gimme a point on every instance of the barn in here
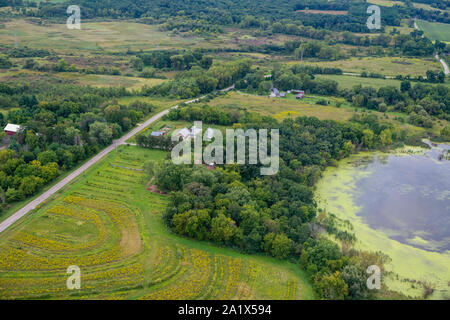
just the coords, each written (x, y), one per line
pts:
(300, 94)
(12, 129)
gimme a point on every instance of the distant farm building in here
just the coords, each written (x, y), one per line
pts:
(185, 133)
(195, 131)
(300, 94)
(275, 93)
(12, 129)
(157, 133)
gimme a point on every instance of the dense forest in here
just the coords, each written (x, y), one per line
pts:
(208, 16)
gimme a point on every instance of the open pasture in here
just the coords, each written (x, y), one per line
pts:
(281, 108)
(427, 7)
(435, 30)
(93, 36)
(388, 66)
(156, 101)
(97, 80)
(386, 3)
(348, 82)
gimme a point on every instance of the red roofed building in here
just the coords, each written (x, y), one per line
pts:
(12, 129)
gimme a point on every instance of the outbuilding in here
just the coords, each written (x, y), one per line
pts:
(157, 133)
(12, 129)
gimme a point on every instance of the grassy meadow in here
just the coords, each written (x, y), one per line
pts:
(348, 82)
(93, 37)
(388, 66)
(110, 225)
(386, 3)
(282, 108)
(97, 80)
(435, 30)
(290, 107)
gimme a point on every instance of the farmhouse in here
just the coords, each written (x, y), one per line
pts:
(195, 131)
(12, 129)
(185, 133)
(209, 134)
(275, 93)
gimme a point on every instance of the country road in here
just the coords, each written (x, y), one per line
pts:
(446, 69)
(37, 201)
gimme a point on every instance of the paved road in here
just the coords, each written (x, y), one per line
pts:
(444, 64)
(33, 204)
(446, 69)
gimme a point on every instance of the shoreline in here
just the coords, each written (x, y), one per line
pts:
(335, 193)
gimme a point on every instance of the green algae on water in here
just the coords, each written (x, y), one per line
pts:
(348, 192)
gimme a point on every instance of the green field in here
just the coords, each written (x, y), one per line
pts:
(435, 30)
(93, 37)
(427, 7)
(281, 108)
(97, 80)
(386, 3)
(388, 66)
(93, 80)
(110, 225)
(348, 82)
(156, 101)
(337, 193)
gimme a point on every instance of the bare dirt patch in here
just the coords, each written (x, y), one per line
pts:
(154, 188)
(332, 12)
(401, 62)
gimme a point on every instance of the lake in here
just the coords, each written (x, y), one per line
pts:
(398, 203)
(408, 197)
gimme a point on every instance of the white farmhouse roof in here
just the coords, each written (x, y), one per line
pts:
(195, 131)
(209, 134)
(185, 133)
(12, 127)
